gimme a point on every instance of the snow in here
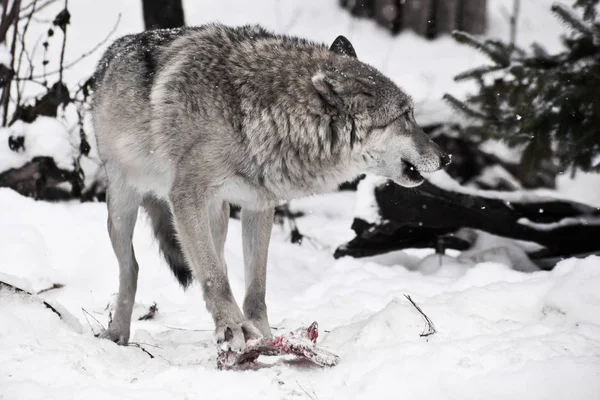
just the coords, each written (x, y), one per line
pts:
(4, 55)
(43, 137)
(537, 333)
(501, 333)
(366, 207)
(445, 181)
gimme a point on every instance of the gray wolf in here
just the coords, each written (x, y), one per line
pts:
(190, 120)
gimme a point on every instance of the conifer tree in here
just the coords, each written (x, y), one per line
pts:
(548, 103)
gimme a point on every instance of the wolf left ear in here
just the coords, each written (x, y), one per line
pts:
(342, 46)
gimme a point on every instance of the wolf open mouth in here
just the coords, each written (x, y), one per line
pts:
(411, 172)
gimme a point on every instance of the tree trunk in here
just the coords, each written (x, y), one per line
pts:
(473, 16)
(387, 13)
(429, 18)
(446, 19)
(416, 15)
(359, 8)
(161, 14)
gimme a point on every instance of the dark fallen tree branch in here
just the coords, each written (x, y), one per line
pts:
(418, 218)
(4, 285)
(40, 179)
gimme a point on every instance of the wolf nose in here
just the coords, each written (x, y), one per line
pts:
(445, 159)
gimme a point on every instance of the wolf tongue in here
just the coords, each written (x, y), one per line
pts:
(301, 342)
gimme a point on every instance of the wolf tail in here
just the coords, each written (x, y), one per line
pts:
(164, 230)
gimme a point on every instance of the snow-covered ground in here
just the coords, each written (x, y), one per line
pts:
(500, 333)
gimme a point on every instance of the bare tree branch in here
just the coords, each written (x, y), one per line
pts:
(8, 19)
(62, 51)
(32, 4)
(6, 92)
(23, 50)
(81, 57)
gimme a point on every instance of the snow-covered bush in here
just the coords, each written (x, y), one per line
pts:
(44, 148)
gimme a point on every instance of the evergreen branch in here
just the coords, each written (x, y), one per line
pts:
(568, 17)
(539, 51)
(469, 40)
(497, 54)
(477, 72)
(589, 8)
(462, 107)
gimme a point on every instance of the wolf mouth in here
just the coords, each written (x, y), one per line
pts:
(411, 172)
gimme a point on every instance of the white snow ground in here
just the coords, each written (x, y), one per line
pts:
(501, 333)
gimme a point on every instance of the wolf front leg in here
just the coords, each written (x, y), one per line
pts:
(256, 234)
(191, 208)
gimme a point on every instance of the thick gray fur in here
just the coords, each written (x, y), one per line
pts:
(190, 120)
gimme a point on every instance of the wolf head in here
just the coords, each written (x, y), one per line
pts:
(391, 142)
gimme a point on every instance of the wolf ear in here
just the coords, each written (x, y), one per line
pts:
(342, 46)
(345, 93)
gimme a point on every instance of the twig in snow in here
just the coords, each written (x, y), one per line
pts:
(86, 314)
(429, 327)
(278, 328)
(150, 314)
(54, 286)
(312, 396)
(139, 346)
(186, 329)
(147, 344)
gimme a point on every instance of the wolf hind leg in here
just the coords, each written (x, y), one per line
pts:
(123, 203)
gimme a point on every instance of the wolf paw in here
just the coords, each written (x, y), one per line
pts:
(262, 324)
(233, 335)
(255, 311)
(119, 336)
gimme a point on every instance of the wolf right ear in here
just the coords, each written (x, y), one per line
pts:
(325, 86)
(346, 93)
(342, 46)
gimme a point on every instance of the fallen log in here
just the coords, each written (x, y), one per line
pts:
(429, 215)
